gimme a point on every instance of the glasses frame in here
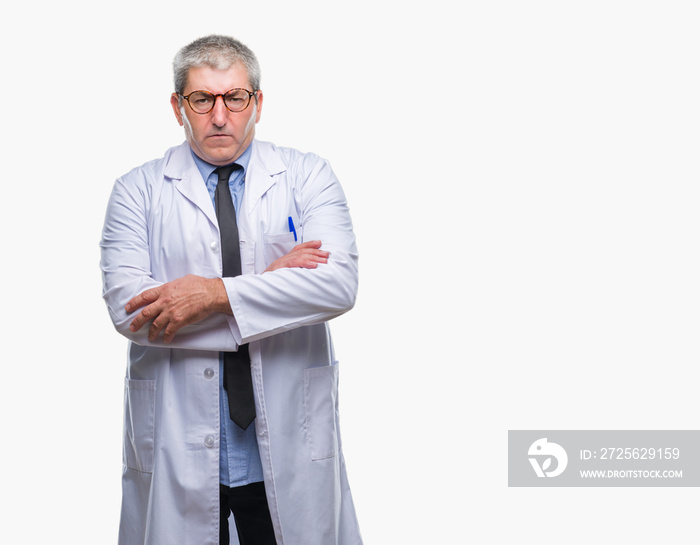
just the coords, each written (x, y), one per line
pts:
(222, 95)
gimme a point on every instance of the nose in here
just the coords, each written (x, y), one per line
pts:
(219, 114)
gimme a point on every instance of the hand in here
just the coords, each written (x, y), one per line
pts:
(178, 303)
(306, 255)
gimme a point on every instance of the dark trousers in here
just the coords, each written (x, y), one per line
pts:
(249, 507)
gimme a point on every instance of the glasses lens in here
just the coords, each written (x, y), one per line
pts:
(237, 100)
(201, 101)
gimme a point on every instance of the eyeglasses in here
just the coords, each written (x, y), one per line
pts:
(202, 102)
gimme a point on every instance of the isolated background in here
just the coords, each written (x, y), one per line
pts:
(523, 179)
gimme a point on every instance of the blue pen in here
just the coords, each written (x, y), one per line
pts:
(292, 229)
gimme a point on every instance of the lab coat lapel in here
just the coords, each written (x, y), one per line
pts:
(265, 163)
(183, 171)
(263, 169)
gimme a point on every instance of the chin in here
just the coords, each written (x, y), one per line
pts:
(220, 157)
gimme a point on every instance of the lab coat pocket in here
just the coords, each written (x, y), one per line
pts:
(277, 246)
(321, 411)
(139, 424)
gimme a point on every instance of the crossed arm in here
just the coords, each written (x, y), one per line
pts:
(192, 298)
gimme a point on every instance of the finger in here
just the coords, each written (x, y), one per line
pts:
(316, 259)
(307, 245)
(143, 317)
(142, 299)
(137, 323)
(156, 328)
(304, 252)
(169, 332)
(317, 256)
(319, 253)
(176, 322)
(309, 261)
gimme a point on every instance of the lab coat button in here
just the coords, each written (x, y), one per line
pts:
(214, 246)
(209, 372)
(209, 441)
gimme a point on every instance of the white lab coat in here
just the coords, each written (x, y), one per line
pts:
(160, 225)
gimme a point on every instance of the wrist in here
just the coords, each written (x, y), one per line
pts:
(220, 302)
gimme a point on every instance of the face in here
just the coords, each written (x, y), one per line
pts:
(220, 136)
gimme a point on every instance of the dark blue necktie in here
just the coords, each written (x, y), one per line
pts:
(238, 381)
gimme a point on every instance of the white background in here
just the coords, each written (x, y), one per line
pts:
(523, 179)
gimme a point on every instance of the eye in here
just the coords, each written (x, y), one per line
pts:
(201, 99)
(236, 98)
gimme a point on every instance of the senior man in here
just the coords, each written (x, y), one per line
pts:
(222, 263)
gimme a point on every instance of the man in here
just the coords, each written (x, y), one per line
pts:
(224, 324)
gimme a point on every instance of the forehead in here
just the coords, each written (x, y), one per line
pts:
(206, 78)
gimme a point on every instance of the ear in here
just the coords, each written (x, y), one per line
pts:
(259, 105)
(175, 103)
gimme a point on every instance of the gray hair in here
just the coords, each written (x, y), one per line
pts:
(218, 52)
